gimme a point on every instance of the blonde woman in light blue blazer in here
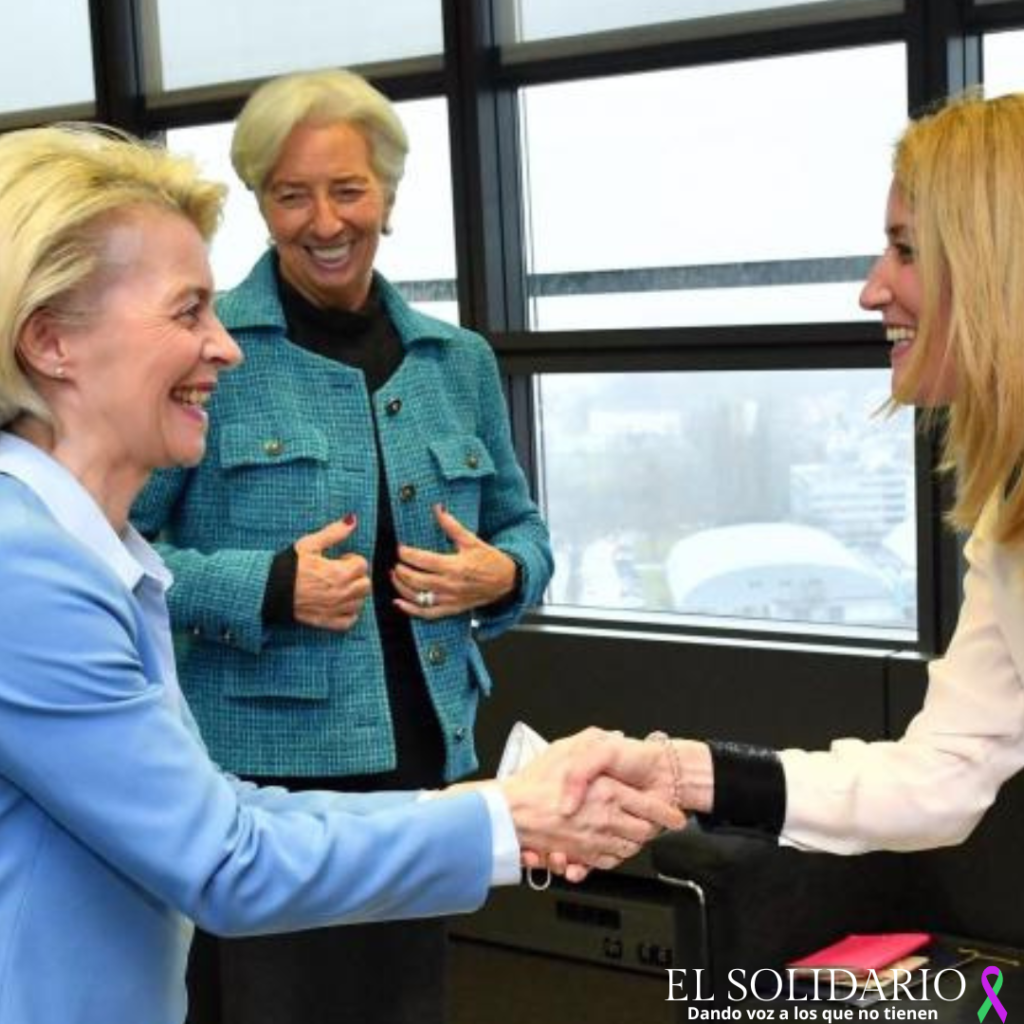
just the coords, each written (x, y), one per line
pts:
(116, 829)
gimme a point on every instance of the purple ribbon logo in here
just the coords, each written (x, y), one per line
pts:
(992, 1000)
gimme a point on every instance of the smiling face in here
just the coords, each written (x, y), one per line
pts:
(137, 364)
(894, 289)
(326, 210)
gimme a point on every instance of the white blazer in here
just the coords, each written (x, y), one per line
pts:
(932, 786)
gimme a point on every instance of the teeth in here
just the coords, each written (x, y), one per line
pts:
(191, 396)
(897, 334)
(334, 252)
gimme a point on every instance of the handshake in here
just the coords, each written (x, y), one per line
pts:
(594, 799)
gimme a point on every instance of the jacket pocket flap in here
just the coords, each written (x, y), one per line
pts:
(249, 444)
(275, 676)
(462, 457)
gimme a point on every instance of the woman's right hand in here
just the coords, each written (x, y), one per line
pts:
(329, 592)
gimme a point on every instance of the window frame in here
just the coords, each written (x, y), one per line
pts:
(480, 81)
(941, 57)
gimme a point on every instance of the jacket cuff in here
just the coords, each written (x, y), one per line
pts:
(750, 787)
(218, 598)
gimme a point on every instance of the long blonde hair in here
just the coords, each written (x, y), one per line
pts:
(59, 188)
(961, 171)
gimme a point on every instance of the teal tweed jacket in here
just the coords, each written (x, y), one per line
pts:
(291, 448)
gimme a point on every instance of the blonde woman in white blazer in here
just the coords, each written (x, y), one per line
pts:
(950, 289)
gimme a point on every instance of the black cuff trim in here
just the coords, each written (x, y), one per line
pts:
(279, 597)
(750, 787)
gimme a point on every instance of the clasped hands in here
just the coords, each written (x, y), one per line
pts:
(592, 801)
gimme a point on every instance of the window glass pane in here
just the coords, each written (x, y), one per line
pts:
(42, 66)
(752, 191)
(810, 520)
(542, 19)
(202, 43)
(419, 254)
(1004, 63)
(242, 234)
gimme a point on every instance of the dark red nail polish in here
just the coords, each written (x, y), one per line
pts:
(349, 519)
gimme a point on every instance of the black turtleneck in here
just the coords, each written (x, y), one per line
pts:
(367, 341)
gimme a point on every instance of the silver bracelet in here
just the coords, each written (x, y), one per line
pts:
(535, 885)
(675, 764)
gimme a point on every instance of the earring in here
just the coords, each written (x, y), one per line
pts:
(58, 370)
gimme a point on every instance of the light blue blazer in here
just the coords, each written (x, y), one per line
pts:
(116, 829)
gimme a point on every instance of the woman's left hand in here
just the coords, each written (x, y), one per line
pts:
(431, 585)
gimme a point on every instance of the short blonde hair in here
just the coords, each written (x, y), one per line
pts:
(60, 189)
(321, 98)
(961, 171)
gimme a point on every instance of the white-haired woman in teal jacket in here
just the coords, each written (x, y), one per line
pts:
(359, 523)
(116, 828)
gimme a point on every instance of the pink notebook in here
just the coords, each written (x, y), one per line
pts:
(862, 953)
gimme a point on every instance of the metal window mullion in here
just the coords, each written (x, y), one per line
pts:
(939, 551)
(700, 349)
(485, 170)
(545, 67)
(185, 108)
(1007, 14)
(943, 58)
(117, 64)
(488, 200)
